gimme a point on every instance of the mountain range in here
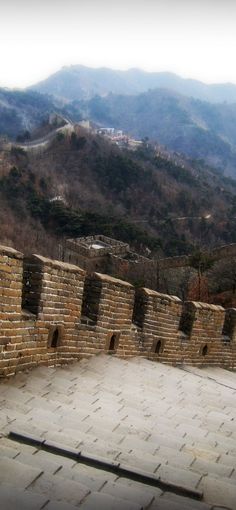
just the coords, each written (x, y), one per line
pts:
(167, 109)
(195, 128)
(169, 197)
(81, 82)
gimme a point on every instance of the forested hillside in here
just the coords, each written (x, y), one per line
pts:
(195, 128)
(22, 111)
(84, 185)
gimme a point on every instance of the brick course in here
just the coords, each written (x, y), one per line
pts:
(53, 313)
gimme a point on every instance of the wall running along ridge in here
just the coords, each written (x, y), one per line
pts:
(173, 273)
(53, 313)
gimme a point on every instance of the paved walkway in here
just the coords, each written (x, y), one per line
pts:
(176, 425)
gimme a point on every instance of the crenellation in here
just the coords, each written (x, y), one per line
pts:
(53, 313)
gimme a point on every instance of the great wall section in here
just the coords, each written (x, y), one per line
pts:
(52, 313)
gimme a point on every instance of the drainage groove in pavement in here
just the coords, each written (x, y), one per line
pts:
(103, 464)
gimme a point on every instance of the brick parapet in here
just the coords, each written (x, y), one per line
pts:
(67, 315)
(108, 301)
(204, 342)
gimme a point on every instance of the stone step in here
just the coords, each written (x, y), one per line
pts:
(11, 449)
(174, 458)
(59, 505)
(70, 420)
(57, 488)
(94, 478)
(36, 402)
(140, 495)
(53, 466)
(106, 502)
(42, 460)
(209, 452)
(66, 469)
(166, 439)
(216, 469)
(71, 438)
(105, 434)
(183, 478)
(16, 405)
(170, 501)
(219, 492)
(22, 474)
(13, 498)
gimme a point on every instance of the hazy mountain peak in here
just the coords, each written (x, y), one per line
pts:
(78, 82)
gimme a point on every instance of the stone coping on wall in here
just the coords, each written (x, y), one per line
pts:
(172, 262)
(111, 279)
(154, 293)
(6, 250)
(57, 264)
(218, 253)
(205, 306)
(131, 257)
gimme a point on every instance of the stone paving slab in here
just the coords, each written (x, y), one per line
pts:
(145, 463)
(57, 488)
(199, 451)
(227, 459)
(22, 474)
(177, 458)
(9, 451)
(99, 450)
(180, 477)
(73, 420)
(106, 434)
(7, 444)
(35, 402)
(174, 423)
(120, 491)
(219, 490)
(42, 461)
(101, 501)
(170, 501)
(92, 477)
(217, 469)
(155, 492)
(62, 438)
(12, 498)
(59, 505)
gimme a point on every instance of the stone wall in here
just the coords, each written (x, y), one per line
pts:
(53, 313)
(158, 317)
(175, 273)
(139, 271)
(113, 257)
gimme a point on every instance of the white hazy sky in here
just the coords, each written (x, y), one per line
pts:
(193, 38)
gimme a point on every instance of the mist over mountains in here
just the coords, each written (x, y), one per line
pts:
(195, 128)
(81, 82)
(185, 116)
